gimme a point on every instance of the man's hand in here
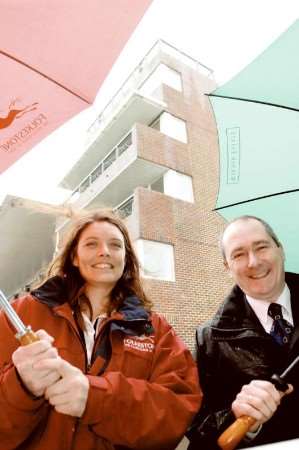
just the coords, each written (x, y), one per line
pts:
(25, 359)
(258, 399)
(69, 394)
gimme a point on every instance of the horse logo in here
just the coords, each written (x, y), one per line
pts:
(15, 113)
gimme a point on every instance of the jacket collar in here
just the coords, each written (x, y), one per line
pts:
(52, 293)
(131, 317)
(292, 280)
(235, 313)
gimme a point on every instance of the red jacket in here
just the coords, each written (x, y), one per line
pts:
(143, 382)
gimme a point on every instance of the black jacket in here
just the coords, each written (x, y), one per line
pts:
(233, 349)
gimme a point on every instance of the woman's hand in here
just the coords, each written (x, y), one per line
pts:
(69, 394)
(25, 359)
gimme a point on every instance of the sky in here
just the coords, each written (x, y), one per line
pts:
(224, 35)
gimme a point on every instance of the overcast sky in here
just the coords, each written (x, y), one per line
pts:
(225, 35)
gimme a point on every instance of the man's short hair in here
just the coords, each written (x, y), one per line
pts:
(269, 230)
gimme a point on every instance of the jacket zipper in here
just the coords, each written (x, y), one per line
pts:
(103, 324)
(82, 342)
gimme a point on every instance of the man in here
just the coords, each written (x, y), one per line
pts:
(241, 347)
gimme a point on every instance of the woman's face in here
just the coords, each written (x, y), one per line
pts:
(100, 254)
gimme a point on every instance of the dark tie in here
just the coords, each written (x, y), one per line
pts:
(281, 329)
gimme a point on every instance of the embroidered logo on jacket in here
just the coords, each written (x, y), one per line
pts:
(142, 343)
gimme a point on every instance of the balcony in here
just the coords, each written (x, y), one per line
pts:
(116, 176)
(125, 209)
(117, 151)
(137, 108)
(140, 76)
(27, 243)
(137, 160)
(127, 107)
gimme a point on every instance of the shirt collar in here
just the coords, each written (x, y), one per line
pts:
(90, 332)
(260, 307)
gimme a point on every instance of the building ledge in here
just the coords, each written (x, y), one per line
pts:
(137, 108)
(27, 243)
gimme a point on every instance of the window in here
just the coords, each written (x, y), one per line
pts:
(178, 185)
(157, 259)
(161, 75)
(173, 127)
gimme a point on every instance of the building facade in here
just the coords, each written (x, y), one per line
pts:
(153, 155)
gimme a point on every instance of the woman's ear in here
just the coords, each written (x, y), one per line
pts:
(74, 259)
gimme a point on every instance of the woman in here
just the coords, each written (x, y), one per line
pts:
(107, 373)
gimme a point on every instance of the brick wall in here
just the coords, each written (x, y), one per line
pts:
(193, 228)
(161, 149)
(201, 282)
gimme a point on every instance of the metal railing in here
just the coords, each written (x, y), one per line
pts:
(125, 209)
(103, 165)
(136, 78)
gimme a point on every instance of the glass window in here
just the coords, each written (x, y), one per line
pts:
(178, 185)
(174, 127)
(157, 259)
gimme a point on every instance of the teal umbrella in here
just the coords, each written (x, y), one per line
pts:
(258, 128)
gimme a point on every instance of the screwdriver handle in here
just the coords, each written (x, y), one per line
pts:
(28, 337)
(231, 437)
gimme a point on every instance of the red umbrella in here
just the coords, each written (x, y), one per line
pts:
(54, 56)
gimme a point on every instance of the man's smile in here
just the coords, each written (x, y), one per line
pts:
(259, 276)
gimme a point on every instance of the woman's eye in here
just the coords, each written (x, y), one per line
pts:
(91, 244)
(116, 245)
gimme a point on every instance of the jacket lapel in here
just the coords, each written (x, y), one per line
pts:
(292, 281)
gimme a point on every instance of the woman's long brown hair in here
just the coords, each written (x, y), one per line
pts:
(62, 265)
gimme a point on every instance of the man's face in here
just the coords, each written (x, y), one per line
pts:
(254, 260)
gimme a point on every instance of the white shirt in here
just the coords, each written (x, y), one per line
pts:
(90, 332)
(260, 307)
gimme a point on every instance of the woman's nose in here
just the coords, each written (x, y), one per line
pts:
(103, 249)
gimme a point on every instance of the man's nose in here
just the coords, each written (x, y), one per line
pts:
(252, 259)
